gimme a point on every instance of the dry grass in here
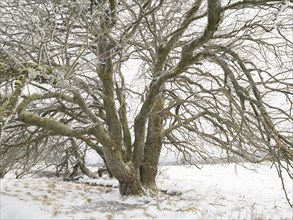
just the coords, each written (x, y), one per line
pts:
(56, 210)
(88, 200)
(52, 185)
(109, 216)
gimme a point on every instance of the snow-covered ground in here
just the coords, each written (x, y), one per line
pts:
(215, 192)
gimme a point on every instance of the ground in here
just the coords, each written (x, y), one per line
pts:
(219, 191)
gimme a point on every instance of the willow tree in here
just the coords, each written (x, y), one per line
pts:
(210, 73)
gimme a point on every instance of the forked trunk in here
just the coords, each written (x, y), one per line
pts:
(126, 174)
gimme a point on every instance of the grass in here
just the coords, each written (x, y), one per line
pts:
(88, 200)
(109, 216)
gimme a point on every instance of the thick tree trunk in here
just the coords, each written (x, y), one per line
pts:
(125, 173)
(131, 187)
(149, 167)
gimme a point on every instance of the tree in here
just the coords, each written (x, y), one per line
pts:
(209, 71)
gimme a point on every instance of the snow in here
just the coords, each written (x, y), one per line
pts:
(13, 208)
(217, 191)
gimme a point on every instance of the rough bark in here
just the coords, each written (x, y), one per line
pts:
(131, 186)
(149, 167)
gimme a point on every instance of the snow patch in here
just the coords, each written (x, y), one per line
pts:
(214, 192)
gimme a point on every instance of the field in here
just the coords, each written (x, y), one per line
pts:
(219, 191)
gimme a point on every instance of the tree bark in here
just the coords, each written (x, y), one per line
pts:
(153, 146)
(132, 186)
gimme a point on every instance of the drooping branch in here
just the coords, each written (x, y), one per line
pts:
(185, 122)
(80, 160)
(49, 124)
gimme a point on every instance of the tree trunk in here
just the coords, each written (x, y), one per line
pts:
(125, 173)
(131, 187)
(149, 167)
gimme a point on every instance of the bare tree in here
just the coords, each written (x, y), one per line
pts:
(210, 72)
